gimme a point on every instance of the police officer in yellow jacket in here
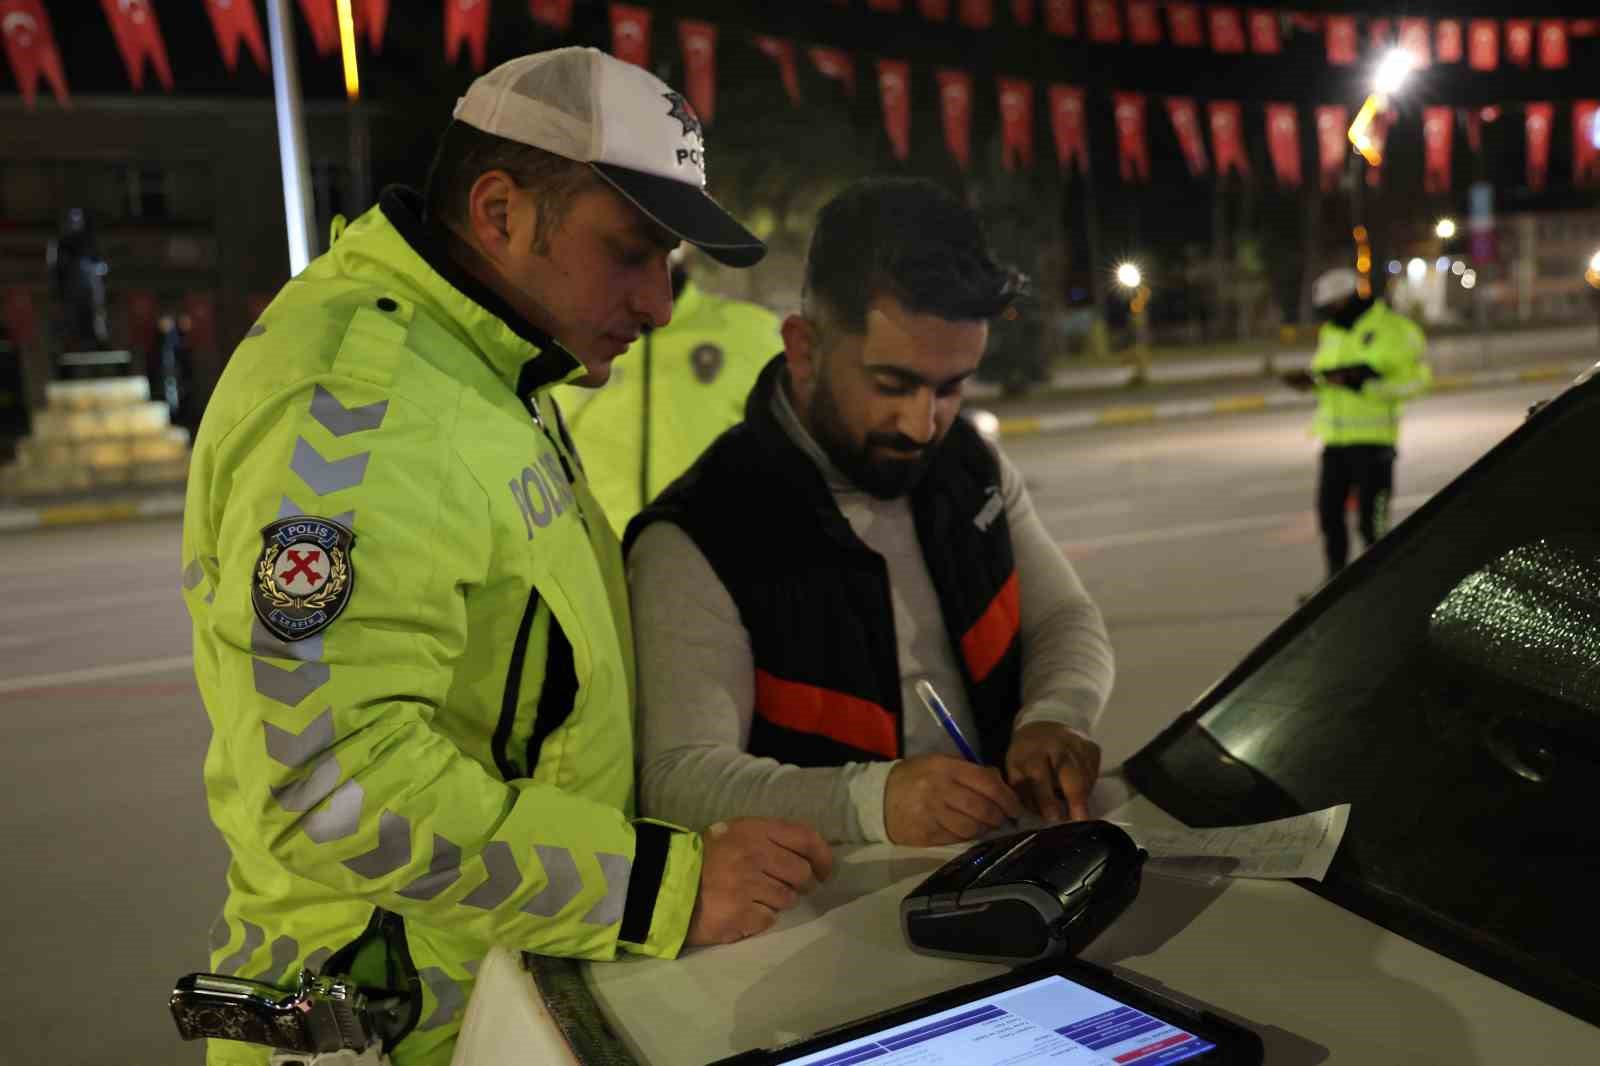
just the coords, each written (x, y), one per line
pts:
(680, 387)
(1369, 361)
(411, 631)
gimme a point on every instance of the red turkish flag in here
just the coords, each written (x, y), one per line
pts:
(835, 63)
(31, 50)
(955, 106)
(1585, 142)
(1519, 41)
(1022, 12)
(1283, 143)
(1227, 32)
(1185, 116)
(781, 52)
(1066, 122)
(372, 18)
(1438, 125)
(1061, 17)
(1016, 122)
(1538, 121)
(1227, 138)
(630, 34)
(1483, 44)
(1414, 39)
(699, 42)
(234, 21)
(20, 321)
(557, 14)
(1264, 38)
(201, 307)
(1447, 47)
(1378, 35)
(977, 14)
(1332, 122)
(1133, 155)
(142, 311)
(892, 7)
(1584, 27)
(1105, 25)
(1144, 23)
(466, 21)
(934, 10)
(1342, 42)
(133, 23)
(894, 90)
(322, 19)
(1184, 27)
(1304, 21)
(1552, 44)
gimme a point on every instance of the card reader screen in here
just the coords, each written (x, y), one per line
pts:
(1051, 1020)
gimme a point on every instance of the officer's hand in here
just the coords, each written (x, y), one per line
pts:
(939, 799)
(753, 868)
(1299, 379)
(1357, 376)
(1053, 769)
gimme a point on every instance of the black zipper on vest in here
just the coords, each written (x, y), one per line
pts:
(513, 692)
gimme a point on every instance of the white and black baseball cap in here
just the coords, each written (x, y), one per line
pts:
(1334, 287)
(635, 131)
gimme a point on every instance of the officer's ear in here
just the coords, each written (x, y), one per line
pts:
(801, 349)
(498, 212)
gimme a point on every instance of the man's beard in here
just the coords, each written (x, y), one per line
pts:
(885, 478)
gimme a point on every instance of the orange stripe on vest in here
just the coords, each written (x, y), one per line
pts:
(985, 644)
(810, 709)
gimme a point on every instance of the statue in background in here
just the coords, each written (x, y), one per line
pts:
(78, 283)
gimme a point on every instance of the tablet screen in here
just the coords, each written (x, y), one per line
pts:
(1050, 1020)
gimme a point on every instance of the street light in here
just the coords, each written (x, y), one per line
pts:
(1393, 70)
(1445, 228)
(1128, 275)
(1131, 278)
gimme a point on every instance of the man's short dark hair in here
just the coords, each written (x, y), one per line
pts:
(909, 239)
(465, 153)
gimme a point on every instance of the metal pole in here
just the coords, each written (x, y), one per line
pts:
(291, 137)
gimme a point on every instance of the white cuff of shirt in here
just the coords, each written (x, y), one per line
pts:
(867, 795)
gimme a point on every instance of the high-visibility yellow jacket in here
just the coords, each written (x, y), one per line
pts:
(1393, 346)
(448, 764)
(669, 397)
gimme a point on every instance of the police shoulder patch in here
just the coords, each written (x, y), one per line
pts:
(303, 576)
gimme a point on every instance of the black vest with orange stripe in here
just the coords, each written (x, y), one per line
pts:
(815, 599)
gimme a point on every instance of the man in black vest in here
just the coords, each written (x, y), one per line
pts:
(851, 538)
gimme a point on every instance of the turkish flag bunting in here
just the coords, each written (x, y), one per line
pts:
(1185, 118)
(1447, 41)
(557, 14)
(1552, 43)
(372, 18)
(1539, 117)
(322, 19)
(1378, 35)
(1183, 25)
(143, 314)
(1022, 12)
(466, 21)
(1584, 27)
(1341, 40)
(133, 23)
(1066, 122)
(955, 106)
(1283, 143)
(1105, 25)
(31, 50)
(630, 34)
(1144, 23)
(1227, 138)
(894, 83)
(1264, 39)
(1304, 21)
(1227, 32)
(934, 10)
(201, 307)
(699, 42)
(1016, 122)
(977, 14)
(835, 63)
(1483, 44)
(20, 322)
(1414, 39)
(781, 52)
(889, 6)
(1332, 121)
(234, 21)
(1519, 41)
(1133, 155)
(1061, 17)
(1438, 125)
(1585, 134)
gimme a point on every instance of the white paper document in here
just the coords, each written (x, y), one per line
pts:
(1301, 846)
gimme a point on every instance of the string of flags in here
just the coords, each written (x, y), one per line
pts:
(1210, 134)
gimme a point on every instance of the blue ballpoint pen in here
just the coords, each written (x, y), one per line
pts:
(936, 707)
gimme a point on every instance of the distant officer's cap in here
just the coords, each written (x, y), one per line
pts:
(1334, 287)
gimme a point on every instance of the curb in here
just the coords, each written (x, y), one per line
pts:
(1251, 402)
(89, 512)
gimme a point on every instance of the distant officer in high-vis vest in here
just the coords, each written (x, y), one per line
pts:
(680, 386)
(411, 631)
(1369, 361)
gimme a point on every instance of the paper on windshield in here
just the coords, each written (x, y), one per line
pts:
(1301, 846)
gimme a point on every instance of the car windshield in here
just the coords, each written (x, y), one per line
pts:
(1446, 686)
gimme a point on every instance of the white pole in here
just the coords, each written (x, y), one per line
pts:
(291, 137)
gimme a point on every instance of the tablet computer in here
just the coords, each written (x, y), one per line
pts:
(1060, 1011)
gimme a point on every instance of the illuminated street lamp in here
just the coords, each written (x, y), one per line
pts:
(1592, 275)
(1445, 228)
(359, 136)
(1131, 278)
(1393, 70)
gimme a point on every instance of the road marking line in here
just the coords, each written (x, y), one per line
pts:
(68, 678)
(1206, 529)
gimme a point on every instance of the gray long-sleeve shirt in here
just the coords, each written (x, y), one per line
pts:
(697, 679)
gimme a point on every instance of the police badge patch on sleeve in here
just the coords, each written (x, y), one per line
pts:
(303, 577)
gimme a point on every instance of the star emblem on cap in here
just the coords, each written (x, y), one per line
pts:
(685, 114)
